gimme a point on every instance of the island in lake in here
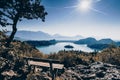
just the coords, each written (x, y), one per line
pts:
(68, 46)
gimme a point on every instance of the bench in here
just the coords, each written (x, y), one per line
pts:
(49, 63)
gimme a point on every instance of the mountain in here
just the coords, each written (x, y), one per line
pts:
(106, 41)
(118, 43)
(31, 35)
(98, 44)
(88, 41)
(60, 37)
(18, 38)
(39, 35)
(91, 40)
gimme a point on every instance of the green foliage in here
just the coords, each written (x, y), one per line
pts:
(12, 11)
(19, 9)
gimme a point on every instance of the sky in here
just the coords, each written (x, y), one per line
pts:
(89, 18)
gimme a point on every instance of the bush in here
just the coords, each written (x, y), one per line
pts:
(110, 55)
(69, 58)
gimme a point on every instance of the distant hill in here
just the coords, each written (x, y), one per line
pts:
(88, 41)
(98, 44)
(91, 40)
(30, 35)
(39, 35)
(41, 43)
(118, 43)
(106, 41)
(60, 37)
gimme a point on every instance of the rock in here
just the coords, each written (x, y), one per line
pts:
(118, 67)
(9, 73)
(47, 78)
(89, 77)
(79, 66)
(71, 75)
(95, 71)
(113, 70)
(96, 65)
(86, 71)
(103, 68)
(100, 74)
(109, 65)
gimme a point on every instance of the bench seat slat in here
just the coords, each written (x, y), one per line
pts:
(46, 64)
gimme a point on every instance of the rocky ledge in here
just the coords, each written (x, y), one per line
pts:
(94, 71)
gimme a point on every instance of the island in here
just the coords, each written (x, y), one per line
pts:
(68, 46)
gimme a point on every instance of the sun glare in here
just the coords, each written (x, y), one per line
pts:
(84, 5)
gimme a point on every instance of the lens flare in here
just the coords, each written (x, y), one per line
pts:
(84, 5)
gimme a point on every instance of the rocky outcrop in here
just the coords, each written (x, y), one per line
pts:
(95, 71)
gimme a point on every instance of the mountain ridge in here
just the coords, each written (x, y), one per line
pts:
(98, 44)
(91, 40)
(40, 35)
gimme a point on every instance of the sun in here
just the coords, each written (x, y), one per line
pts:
(84, 5)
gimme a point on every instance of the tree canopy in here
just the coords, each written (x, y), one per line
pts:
(13, 11)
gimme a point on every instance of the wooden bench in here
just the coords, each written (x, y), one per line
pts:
(49, 63)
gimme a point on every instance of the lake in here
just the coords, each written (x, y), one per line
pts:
(60, 46)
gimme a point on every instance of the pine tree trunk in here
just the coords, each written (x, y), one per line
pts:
(14, 30)
(11, 36)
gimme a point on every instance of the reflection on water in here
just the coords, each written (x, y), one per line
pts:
(60, 46)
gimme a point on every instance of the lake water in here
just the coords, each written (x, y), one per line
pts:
(60, 46)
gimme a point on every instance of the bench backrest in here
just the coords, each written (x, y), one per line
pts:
(44, 62)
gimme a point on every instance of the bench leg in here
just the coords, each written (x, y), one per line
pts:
(52, 70)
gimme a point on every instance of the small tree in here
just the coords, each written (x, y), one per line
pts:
(13, 11)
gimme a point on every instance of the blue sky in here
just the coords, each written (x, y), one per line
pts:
(101, 19)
